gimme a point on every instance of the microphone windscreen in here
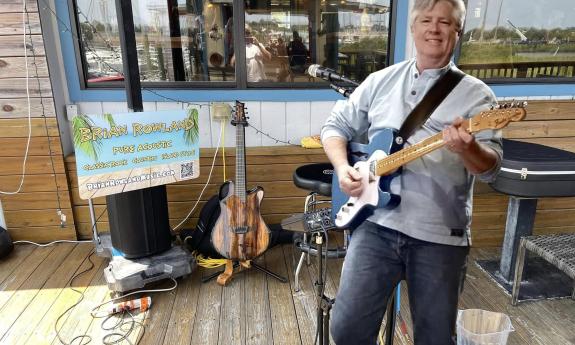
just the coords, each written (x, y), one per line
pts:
(312, 70)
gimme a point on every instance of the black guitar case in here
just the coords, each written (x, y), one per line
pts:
(532, 171)
(6, 245)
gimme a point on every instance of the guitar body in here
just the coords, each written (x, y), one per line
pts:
(240, 232)
(349, 212)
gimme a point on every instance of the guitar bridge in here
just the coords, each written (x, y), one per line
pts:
(241, 229)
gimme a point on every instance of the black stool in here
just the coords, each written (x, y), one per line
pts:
(316, 178)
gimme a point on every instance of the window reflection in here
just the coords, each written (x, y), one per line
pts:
(348, 36)
(176, 40)
(516, 39)
(193, 40)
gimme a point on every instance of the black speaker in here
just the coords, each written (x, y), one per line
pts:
(6, 244)
(139, 224)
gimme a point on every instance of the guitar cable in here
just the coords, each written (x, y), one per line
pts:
(205, 185)
(201, 260)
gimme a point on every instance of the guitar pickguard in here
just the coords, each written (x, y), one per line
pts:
(376, 189)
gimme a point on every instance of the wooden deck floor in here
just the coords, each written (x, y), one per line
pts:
(253, 309)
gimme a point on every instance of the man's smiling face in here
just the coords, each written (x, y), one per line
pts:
(435, 33)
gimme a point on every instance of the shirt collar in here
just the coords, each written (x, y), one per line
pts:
(432, 72)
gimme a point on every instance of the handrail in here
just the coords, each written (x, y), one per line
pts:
(536, 69)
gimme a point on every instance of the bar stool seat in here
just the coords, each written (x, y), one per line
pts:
(314, 177)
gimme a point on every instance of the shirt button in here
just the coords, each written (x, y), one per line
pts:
(413, 92)
(415, 75)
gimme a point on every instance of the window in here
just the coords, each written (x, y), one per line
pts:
(519, 40)
(349, 37)
(193, 41)
(176, 40)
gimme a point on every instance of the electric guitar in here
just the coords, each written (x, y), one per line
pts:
(381, 167)
(240, 232)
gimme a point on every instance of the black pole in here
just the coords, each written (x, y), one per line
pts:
(176, 41)
(139, 224)
(319, 288)
(129, 55)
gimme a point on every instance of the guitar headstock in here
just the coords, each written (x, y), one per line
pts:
(498, 117)
(239, 115)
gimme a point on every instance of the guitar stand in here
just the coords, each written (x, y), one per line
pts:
(225, 276)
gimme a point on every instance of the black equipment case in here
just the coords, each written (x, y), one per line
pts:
(532, 171)
(6, 245)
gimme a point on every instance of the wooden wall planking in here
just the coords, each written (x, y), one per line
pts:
(18, 107)
(11, 23)
(15, 6)
(31, 214)
(548, 122)
(13, 46)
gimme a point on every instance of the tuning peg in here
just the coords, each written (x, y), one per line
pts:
(524, 104)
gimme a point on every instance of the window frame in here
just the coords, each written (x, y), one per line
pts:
(239, 83)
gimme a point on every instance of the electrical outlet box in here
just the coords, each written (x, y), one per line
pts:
(220, 111)
(71, 111)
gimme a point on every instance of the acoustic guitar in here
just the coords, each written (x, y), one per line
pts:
(381, 167)
(240, 232)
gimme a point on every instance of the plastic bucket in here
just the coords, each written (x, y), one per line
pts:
(482, 327)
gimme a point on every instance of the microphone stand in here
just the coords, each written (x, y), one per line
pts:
(345, 91)
(324, 303)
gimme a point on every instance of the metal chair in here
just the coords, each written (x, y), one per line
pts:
(557, 249)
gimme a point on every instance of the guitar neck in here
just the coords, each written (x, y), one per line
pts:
(240, 185)
(398, 159)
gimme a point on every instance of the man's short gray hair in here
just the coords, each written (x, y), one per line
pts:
(422, 5)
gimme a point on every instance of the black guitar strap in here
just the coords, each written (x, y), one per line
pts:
(429, 103)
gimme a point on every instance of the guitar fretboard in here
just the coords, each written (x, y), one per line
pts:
(396, 160)
(240, 185)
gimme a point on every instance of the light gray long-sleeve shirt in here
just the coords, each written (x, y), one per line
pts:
(436, 189)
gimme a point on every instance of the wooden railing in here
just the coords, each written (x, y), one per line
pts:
(540, 69)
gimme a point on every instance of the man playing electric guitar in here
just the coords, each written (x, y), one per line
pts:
(424, 239)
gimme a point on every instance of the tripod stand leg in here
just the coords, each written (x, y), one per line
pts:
(215, 274)
(268, 272)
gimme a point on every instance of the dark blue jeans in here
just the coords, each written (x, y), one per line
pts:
(377, 259)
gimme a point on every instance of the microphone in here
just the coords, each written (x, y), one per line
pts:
(317, 71)
(342, 90)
